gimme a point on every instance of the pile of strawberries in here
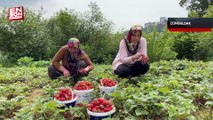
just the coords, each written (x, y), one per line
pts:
(83, 85)
(100, 105)
(64, 94)
(106, 82)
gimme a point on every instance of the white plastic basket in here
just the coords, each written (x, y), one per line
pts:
(107, 90)
(83, 95)
(68, 103)
(100, 116)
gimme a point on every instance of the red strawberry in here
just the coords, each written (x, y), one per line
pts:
(64, 94)
(79, 105)
(108, 82)
(100, 105)
(83, 85)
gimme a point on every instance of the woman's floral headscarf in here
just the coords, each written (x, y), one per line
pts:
(132, 31)
(73, 42)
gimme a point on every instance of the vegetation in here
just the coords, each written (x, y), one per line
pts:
(171, 90)
(40, 38)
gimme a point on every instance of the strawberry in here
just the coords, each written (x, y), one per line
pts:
(79, 105)
(64, 94)
(83, 85)
(108, 82)
(100, 105)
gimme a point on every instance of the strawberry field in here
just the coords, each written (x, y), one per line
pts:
(171, 90)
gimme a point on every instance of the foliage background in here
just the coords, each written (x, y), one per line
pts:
(40, 38)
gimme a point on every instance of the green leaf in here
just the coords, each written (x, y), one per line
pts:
(191, 118)
(130, 101)
(139, 111)
(164, 90)
(51, 105)
(128, 107)
(209, 103)
(132, 106)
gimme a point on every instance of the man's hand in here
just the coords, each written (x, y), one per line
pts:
(66, 73)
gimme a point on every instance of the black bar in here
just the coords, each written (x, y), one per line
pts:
(190, 23)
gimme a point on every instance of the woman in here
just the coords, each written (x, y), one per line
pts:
(75, 61)
(132, 58)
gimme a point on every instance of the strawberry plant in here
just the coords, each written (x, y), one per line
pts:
(169, 90)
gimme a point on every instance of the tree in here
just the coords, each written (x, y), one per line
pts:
(24, 38)
(64, 25)
(199, 6)
(91, 28)
(96, 34)
(159, 45)
(185, 45)
(196, 46)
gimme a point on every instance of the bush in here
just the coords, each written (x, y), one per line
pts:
(41, 63)
(4, 61)
(25, 61)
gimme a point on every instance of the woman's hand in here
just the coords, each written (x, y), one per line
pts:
(66, 73)
(136, 56)
(83, 71)
(144, 59)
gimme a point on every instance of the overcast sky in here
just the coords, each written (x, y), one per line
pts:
(123, 13)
